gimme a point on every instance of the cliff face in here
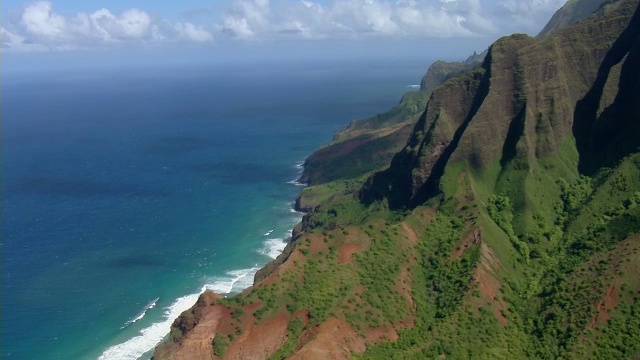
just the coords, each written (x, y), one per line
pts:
(441, 71)
(507, 226)
(370, 144)
(513, 111)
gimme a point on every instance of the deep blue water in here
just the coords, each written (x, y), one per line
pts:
(124, 186)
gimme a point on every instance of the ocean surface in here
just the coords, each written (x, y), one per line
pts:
(128, 191)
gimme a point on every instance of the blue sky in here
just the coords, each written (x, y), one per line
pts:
(324, 26)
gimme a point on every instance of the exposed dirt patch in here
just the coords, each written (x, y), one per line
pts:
(409, 233)
(295, 256)
(258, 341)
(473, 238)
(317, 244)
(404, 287)
(347, 251)
(489, 259)
(197, 343)
(340, 149)
(603, 307)
(336, 339)
(489, 289)
(488, 285)
(381, 334)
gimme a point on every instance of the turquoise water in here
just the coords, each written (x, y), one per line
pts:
(127, 192)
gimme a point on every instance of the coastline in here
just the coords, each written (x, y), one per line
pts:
(235, 281)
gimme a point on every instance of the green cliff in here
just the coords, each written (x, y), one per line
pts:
(370, 144)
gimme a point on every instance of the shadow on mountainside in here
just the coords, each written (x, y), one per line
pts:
(604, 138)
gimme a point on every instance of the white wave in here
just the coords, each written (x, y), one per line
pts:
(141, 314)
(296, 183)
(268, 233)
(234, 281)
(273, 247)
(151, 336)
(299, 165)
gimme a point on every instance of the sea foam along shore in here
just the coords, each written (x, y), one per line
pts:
(234, 281)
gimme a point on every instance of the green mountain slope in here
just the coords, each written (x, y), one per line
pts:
(370, 144)
(572, 12)
(506, 227)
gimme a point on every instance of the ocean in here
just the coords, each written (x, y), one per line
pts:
(126, 192)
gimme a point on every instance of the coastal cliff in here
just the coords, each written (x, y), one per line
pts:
(505, 225)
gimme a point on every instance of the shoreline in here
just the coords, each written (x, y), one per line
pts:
(233, 282)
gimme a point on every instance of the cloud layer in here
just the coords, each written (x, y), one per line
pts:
(40, 27)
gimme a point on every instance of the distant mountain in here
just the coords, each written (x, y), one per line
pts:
(367, 145)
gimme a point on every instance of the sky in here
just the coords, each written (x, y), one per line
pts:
(270, 26)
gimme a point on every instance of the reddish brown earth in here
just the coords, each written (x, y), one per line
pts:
(197, 345)
(404, 288)
(274, 277)
(347, 251)
(258, 341)
(473, 238)
(603, 307)
(489, 287)
(409, 233)
(317, 244)
(336, 339)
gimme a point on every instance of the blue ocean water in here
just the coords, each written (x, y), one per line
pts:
(127, 192)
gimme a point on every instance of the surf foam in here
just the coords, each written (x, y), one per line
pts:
(234, 281)
(141, 314)
(151, 336)
(296, 182)
(273, 247)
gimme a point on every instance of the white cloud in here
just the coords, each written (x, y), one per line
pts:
(193, 33)
(40, 27)
(13, 41)
(132, 24)
(529, 15)
(255, 20)
(260, 19)
(39, 20)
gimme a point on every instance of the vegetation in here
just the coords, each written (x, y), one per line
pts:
(220, 344)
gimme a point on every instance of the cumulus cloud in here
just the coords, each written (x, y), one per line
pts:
(247, 19)
(39, 20)
(132, 24)
(40, 27)
(193, 33)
